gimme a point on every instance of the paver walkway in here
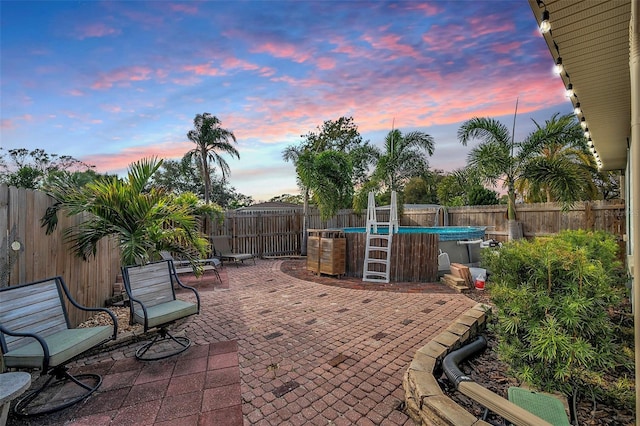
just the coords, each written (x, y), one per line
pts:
(309, 354)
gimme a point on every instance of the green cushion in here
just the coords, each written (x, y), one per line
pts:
(544, 406)
(63, 346)
(166, 312)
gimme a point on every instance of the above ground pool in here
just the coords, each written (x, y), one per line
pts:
(415, 250)
(445, 233)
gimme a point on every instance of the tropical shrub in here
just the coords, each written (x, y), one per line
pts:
(554, 297)
(143, 219)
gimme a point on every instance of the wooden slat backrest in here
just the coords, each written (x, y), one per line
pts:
(151, 284)
(35, 308)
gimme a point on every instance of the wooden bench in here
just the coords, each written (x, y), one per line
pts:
(153, 303)
(36, 333)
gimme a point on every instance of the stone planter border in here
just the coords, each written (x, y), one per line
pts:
(425, 401)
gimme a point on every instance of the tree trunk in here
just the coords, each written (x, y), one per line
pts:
(305, 222)
(515, 230)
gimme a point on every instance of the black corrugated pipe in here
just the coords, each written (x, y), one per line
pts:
(450, 363)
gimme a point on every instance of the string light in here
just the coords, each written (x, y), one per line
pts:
(583, 123)
(576, 109)
(569, 93)
(559, 69)
(545, 25)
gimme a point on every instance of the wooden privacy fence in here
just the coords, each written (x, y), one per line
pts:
(28, 254)
(543, 219)
(279, 233)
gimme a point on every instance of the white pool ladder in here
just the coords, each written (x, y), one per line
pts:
(379, 242)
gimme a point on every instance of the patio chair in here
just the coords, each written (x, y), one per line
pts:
(184, 266)
(223, 250)
(36, 333)
(153, 304)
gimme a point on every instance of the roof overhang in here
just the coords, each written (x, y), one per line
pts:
(592, 37)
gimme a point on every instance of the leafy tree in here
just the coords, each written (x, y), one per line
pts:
(340, 136)
(287, 198)
(29, 169)
(481, 196)
(179, 177)
(416, 191)
(210, 140)
(608, 184)
(143, 218)
(454, 188)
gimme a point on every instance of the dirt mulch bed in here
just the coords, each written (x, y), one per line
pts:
(487, 370)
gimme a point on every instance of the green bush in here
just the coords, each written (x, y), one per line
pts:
(554, 297)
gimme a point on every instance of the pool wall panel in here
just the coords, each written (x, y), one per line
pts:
(414, 257)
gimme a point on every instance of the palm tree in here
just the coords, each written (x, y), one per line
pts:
(403, 158)
(318, 177)
(144, 219)
(561, 167)
(500, 157)
(497, 156)
(210, 139)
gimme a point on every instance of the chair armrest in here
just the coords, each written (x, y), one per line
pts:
(41, 341)
(189, 288)
(133, 300)
(87, 309)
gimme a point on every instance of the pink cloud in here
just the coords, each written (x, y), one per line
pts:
(95, 30)
(204, 69)
(112, 108)
(6, 123)
(391, 43)
(121, 160)
(284, 50)
(506, 48)
(326, 63)
(490, 24)
(122, 76)
(187, 8)
(76, 92)
(429, 9)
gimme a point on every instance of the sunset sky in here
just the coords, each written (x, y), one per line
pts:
(111, 82)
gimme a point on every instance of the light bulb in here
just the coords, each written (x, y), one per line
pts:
(577, 110)
(569, 93)
(558, 68)
(583, 123)
(545, 25)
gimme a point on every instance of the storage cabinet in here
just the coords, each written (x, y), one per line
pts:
(326, 251)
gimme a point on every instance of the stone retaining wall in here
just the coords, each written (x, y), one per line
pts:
(426, 403)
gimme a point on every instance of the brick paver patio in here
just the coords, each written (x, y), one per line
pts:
(307, 354)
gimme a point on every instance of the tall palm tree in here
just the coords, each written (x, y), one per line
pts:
(561, 168)
(210, 140)
(403, 158)
(532, 162)
(144, 219)
(497, 157)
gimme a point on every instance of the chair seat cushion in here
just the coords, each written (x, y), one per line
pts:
(167, 312)
(63, 346)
